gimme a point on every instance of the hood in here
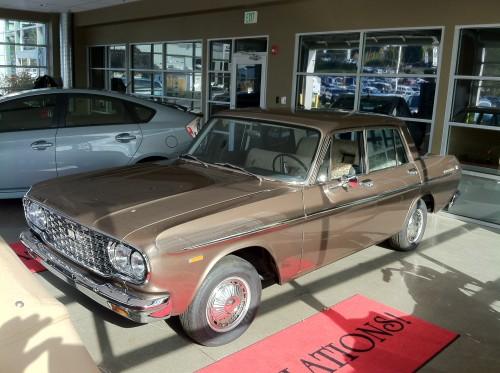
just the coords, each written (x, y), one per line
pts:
(121, 200)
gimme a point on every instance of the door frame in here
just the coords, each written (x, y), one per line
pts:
(206, 71)
(249, 58)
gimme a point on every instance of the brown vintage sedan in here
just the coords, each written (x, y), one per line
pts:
(259, 195)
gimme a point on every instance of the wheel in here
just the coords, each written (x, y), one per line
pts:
(413, 230)
(294, 157)
(225, 304)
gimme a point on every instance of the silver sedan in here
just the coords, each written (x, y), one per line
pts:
(46, 133)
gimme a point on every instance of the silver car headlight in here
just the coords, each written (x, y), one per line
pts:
(127, 261)
(36, 215)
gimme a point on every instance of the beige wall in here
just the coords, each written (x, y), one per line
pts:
(52, 19)
(281, 20)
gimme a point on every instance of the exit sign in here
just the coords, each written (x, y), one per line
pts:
(250, 17)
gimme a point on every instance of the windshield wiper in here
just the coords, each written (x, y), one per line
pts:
(234, 167)
(193, 158)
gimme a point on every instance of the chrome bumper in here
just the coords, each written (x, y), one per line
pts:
(118, 299)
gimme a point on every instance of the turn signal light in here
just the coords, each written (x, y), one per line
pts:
(193, 127)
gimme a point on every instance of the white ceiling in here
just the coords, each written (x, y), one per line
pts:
(59, 6)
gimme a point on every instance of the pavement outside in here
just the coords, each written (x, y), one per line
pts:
(452, 280)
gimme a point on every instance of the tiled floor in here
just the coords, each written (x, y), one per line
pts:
(453, 280)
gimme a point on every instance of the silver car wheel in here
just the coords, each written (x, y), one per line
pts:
(228, 304)
(415, 226)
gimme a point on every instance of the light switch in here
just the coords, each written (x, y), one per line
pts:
(283, 100)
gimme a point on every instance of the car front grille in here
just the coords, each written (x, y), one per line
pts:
(78, 243)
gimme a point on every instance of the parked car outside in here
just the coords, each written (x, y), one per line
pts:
(259, 195)
(482, 115)
(379, 103)
(46, 133)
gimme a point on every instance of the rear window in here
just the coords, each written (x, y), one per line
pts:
(143, 114)
(95, 110)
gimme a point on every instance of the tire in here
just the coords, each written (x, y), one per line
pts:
(413, 230)
(240, 278)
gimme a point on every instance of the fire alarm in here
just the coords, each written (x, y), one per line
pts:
(274, 50)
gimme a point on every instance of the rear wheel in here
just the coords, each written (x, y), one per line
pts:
(413, 230)
(225, 304)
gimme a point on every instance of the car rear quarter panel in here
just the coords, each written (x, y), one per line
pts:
(182, 256)
(165, 135)
(440, 178)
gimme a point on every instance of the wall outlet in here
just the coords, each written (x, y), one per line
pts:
(283, 100)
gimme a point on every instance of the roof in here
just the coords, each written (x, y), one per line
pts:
(324, 121)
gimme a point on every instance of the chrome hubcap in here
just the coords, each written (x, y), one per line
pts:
(228, 304)
(415, 226)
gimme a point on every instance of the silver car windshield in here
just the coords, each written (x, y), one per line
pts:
(276, 151)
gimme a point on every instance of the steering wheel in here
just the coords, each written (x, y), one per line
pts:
(294, 157)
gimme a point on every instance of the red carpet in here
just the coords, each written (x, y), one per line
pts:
(356, 335)
(28, 261)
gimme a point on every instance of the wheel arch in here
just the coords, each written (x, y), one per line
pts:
(152, 158)
(429, 201)
(262, 260)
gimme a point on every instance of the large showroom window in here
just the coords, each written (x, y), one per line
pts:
(167, 72)
(106, 63)
(23, 54)
(472, 129)
(389, 72)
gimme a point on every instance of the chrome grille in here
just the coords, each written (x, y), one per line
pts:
(78, 243)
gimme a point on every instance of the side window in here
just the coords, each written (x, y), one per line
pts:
(385, 149)
(29, 113)
(344, 156)
(92, 110)
(142, 113)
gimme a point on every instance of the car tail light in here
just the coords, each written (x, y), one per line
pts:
(193, 127)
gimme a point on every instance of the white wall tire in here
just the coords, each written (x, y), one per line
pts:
(413, 230)
(225, 304)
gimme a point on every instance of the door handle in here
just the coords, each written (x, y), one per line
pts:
(366, 183)
(41, 145)
(124, 137)
(412, 171)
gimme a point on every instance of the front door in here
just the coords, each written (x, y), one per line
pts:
(28, 127)
(248, 80)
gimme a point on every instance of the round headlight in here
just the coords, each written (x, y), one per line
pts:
(127, 260)
(138, 265)
(122, 258)
(36, 215)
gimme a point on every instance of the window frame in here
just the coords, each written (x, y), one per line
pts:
(359, 75)
(56, 119)
(47, 67)
(403, 142)
(362, 156)
(129, 70)
(65, 108)
(453, 78)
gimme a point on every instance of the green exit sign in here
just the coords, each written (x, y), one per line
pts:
(250, 17)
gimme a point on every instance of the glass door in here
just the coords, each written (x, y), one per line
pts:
(248, 80)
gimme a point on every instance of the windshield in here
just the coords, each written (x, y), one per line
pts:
(278, 151)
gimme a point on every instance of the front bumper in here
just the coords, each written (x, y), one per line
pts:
(120, 300)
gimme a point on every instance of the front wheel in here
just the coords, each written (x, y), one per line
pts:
(413, 230)
(225, 304)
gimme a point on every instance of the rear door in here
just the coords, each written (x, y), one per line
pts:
(99, 132)
(28, 127)
(394, 178)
